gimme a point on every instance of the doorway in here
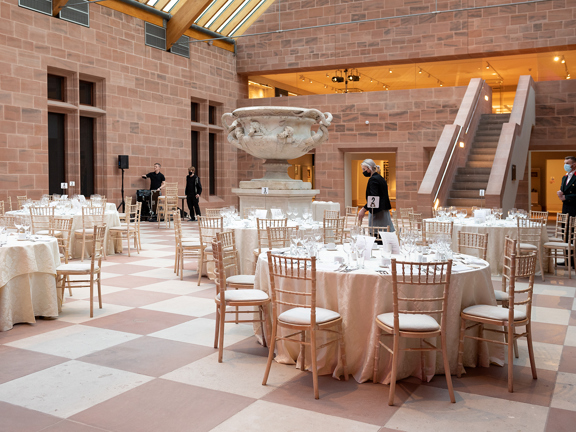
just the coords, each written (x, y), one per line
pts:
(546, 172)
(56, 152)
(355, 182)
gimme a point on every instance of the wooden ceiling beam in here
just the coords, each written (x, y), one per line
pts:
(183, 19)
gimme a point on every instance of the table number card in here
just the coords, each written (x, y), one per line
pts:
(373, 202)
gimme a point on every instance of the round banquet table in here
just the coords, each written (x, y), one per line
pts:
(246, 236)
(497, 231)
(111, 219)
(28, 280)
(359, 296)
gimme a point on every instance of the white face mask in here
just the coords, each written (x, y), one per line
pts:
(567, 168)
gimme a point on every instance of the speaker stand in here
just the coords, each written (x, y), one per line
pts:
(122, 203)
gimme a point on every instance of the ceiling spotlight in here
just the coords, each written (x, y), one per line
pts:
(420, 71)
(371, 80)
(487, 65)
(556, 58)
(568, 76)
(338, 78)
(302, 77)
(563, 60)
(389, 70)
(327, 76)
(354, 75)
(310, 81)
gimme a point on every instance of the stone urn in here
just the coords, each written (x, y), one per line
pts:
(276, 134)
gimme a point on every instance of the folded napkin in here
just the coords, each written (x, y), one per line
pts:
(458, 267)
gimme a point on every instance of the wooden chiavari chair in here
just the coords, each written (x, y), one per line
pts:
(468, 240)
(540, 215)
(529, 238)
(127, 204)
(128, 230)
(213, 212)
(246, 211)
(420, 292)
(91, 216)
(331, 214)
(293, 289)
(560, 229)
(431, 228)
(510, 317)
(1, 208)
(208, 227)
(185, 248)
(333, 230)
(261, 227)
(42, 220)
(169, 205)
(21, 200)
(554, 250)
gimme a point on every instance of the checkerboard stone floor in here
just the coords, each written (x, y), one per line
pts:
(145, 362)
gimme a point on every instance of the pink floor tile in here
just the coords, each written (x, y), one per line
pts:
(549, 333)
(17, 419)
(132, 281)
(166, 406)
(128, 269)
(71, 426)
(568, 360)
(135, 297)
(249, 346)
(552, 301)
(560, 420)
(138, 321)
(16, 363)
(20, 331)
(149, 356)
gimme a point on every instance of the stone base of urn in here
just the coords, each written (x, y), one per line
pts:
(300, 199)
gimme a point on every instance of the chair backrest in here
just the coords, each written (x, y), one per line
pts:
(331, 214)
(128, 201)
(519, 294)
(63, 225)
(21, 200)
(529, 230)
(468, 240)
(415, 220)
(351, 216)
(561, 227)
(42, 219)
(542, 215)
(177, 227)
(510, 249)
(137, 214)
(333, 230)
(213, 212)
(92, 216)
(279, 237)
(421, 289)
(98, 245)
(431, 228)
(292, 284)
(246, 211)
(230, 261)
(1, 208)
(373, 230)
(7, 221)
(262, 226)
(208, 227)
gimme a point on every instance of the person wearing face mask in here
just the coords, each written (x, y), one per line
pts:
(376, 187)
(567, 192)
(193, 192)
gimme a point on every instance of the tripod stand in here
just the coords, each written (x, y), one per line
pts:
(122, 204)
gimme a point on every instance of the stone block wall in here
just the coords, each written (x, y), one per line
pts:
(406, 122)
(143, 98)
(450, 34)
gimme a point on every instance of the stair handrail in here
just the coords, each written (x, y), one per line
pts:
(448, 153)
(512, 149)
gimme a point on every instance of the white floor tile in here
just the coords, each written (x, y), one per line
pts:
(74, 341)
(155, 254)
(264, 416)
(84, 293)
(162, 273)
(570, 336)
(555, 290)
(178, 287)
(429, 409)
(239, 373)
(156, 262)
(565, 392)
(548, 315)
(68, 388)
(79, 311)
(201, 332)
(191, 306)
(546, 356)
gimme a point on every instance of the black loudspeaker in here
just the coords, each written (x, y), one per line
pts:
(123, 161)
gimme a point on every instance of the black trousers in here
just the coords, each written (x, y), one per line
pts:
(193, 207)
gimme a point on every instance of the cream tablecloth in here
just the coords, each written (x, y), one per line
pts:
(28, 281)
(362, 295)
(496, 234)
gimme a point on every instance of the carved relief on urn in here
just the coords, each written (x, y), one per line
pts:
(276, 134)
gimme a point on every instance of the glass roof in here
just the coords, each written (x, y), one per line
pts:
(227, 17)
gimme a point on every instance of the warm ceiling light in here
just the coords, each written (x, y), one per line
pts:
(563, 60)
(420, 71)
(556, 58)
(461, 144)
(389, 70)
(486, 98)
(310, 81)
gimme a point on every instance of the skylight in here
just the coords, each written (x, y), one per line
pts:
(170, 5)
(217, 14)
(152, 2)
(246, 19)
(234, 14)
(203, 13)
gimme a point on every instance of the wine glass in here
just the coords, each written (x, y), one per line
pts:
(354, 232)
(347, 246)
(18, 223)
(293, 243)
(360, 248)
(26, 225)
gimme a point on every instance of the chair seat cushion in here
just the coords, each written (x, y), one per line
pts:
(556, 239)
(410, 322)
(191, 240)
(47, 232)
(244, 295)
(500, 295)
(241, 279)
(493, 312)
(301, 316)
(75, 267)
(208, 249)
(123, 227)
(88, 231)
(528, 246)
(192, 245)
(553, 245)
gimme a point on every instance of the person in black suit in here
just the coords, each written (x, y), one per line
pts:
(567, 192)
(192, 192)
(376, 187)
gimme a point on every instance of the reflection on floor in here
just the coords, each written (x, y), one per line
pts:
(145, 362)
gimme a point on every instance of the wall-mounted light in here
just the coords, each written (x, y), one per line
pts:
(486, 98)
(461, 144)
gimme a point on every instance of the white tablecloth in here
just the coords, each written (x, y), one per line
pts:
(28, 281)
(362, 295)
(496, 234)
(247, 241)
(318, 208)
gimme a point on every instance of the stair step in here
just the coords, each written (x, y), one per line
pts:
(489, 132)
(465, 193)
(465, 202)
(495, 116)
(466, 171)
(481, 157)
(483, 151)
(486, 138)
(479, 164)
(469, 185)
(485, 144)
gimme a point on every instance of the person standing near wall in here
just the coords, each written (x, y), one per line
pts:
(193, 192)
(157, 183)
(567, 192)
(377, 199)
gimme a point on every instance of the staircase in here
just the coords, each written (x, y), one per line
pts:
(474, 176)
